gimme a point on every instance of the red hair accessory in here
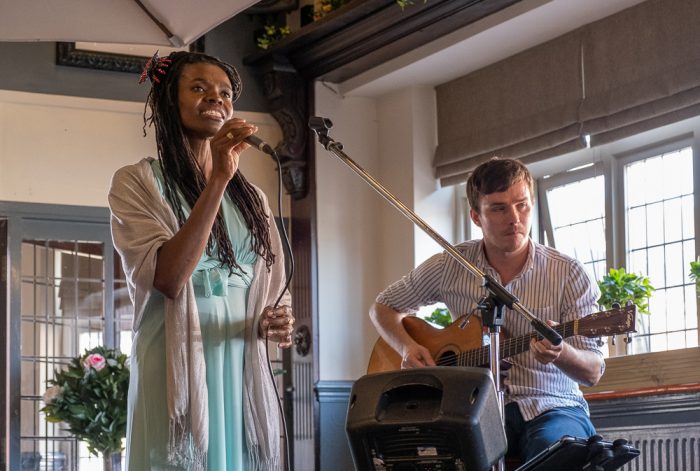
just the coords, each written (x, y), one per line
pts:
(154, 67)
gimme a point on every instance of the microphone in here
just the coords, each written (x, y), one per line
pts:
(259, 144)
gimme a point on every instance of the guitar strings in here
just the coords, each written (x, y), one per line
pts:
(480, 356)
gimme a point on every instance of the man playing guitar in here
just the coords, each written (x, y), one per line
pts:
(543, 399)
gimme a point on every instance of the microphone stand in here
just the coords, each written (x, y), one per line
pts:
(491, 306)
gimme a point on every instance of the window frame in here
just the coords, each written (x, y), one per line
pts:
(545, 229)
(647, 371)
(622, 159)
(636, 155)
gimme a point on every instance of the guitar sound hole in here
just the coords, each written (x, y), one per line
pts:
(448, 359)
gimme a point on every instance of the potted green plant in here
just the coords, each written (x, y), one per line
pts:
(90, 396)
(620, 287)
(695, 273)
(270, 35)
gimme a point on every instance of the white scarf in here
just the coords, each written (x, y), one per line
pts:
(142, 221)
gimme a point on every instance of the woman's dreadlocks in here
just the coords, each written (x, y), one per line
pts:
(180, 169)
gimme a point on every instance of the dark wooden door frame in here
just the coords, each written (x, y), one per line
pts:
(353, 39)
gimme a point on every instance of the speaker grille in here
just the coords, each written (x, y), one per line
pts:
(412, 442)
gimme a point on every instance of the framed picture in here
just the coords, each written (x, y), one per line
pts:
(114, 57)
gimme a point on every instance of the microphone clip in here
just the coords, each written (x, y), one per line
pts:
(321, 126)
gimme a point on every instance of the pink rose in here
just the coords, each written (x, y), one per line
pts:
(95, 361)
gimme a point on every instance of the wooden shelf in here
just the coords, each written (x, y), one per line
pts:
(363, 34)
(643, 374)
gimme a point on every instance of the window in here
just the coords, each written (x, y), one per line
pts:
(467, 230)
(633, 209)
(574, 216)
(660, 242)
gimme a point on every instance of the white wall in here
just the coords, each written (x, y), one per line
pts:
(363, 242)
(408, 131)
(396, 155)
(348, 250)
(434, 204)
(64, 150)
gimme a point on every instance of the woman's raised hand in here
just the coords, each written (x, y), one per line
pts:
(227, 145)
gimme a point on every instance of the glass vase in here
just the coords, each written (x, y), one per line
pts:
(112, 461)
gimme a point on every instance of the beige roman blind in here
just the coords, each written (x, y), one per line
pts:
(633, 71)
(642, 69)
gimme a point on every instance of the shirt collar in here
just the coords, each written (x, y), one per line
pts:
(482, 261)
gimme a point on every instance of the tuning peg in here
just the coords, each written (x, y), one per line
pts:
(616, 305)
(600, 342)
(628, 338)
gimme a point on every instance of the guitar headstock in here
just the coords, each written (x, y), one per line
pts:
(619, 320)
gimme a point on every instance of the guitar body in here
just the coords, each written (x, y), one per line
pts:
(441, 343)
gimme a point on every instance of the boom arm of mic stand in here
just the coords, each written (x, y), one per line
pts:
(321, 125)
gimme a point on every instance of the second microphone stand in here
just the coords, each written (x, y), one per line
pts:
(491, 306)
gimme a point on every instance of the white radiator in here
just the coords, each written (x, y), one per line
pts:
(661, 448)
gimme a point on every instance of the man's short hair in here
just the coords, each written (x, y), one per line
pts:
(494, 176)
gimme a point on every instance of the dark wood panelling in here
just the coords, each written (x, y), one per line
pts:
(366, 33)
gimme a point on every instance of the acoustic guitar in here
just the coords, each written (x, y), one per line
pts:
(455, 346)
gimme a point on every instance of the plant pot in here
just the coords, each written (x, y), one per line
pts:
(112, 462)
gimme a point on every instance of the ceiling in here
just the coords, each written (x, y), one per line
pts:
(495, 37)
(153, 22)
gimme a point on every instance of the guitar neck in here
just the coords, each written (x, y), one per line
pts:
(510, 347)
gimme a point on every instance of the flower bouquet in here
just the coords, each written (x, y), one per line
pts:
(90, 396)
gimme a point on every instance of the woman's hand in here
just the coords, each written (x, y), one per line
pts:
(277, 325)
(227, 145)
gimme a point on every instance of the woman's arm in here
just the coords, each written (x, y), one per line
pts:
(178, 257)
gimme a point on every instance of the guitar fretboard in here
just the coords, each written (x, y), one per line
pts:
(509, 347)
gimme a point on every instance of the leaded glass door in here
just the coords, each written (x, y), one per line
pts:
(66, 293)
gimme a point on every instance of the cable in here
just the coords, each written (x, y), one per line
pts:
(285, 239)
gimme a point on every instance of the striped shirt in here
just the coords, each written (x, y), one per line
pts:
(551, 286)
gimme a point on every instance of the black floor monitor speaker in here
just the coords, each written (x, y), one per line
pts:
(442, 418)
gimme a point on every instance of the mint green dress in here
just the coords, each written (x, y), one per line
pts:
(221, 301)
